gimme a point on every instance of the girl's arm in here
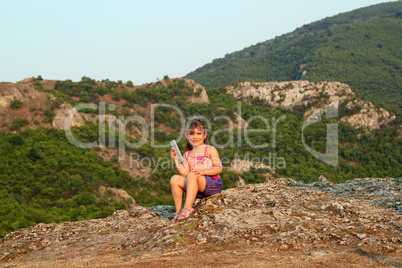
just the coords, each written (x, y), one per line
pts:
(182, 168)
(216, 162)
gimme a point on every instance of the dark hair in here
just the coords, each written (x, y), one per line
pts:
(193, 123)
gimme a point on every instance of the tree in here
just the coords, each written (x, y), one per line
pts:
(116, 95)
(129, 83)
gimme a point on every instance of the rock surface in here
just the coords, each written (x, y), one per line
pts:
(240, 166)
(30, 98)
(368, 116)
(272, 223)
(386, 192)
(67, 111)
(200, 95)
(290, 94)
(319, 95)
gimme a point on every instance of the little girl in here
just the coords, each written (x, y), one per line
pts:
(199, 173)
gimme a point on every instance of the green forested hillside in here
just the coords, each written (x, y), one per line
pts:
(360, 48)
(46, 179)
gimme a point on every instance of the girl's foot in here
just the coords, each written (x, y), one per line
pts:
(185, 213)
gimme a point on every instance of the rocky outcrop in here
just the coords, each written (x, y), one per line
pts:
(240, 182)
(321, 178)
(119, 195)
(239, 122)
(8, 95)
(59, 120)
(30, 98)
(240, 166)
(22, 92)
(200, 94)
(290, 94)
(368, 116)
(268, 218)
(318, 96)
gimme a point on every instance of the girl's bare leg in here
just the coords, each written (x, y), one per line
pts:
(192, 186)
(177, 185)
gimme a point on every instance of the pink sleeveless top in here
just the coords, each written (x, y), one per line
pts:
(203, 160)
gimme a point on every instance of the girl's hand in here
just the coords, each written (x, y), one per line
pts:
(173, 153)
(198, 173)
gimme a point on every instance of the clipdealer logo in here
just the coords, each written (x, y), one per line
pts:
(330, 157)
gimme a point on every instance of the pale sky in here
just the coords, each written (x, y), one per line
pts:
(141, 41)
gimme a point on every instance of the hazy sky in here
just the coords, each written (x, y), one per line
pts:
(141, 40)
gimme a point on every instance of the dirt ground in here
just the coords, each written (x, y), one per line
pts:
(232, 256)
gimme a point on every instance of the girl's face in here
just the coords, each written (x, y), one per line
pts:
(196, 136)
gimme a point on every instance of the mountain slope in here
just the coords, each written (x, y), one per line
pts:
(45, 178)
(360, 48)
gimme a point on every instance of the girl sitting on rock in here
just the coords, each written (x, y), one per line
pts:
(199, 172)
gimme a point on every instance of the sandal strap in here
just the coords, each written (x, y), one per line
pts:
(185, 213)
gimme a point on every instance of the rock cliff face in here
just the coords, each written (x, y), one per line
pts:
(290, 94)
(61, 115)
(318, 95)
(10, 93)
(200, 95)
(368, 116)
(28, 95)
(274, 222)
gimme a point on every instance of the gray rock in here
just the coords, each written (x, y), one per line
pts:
(386, 192)
(164, 211)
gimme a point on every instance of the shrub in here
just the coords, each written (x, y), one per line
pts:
(114, 159)
(85, 198)
(18, 123)
(49, 115)
(15, 103)
(16, 140)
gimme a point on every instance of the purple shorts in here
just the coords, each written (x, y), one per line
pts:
(213, 186)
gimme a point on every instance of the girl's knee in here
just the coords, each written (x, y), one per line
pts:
(191, 176)
(175, 179)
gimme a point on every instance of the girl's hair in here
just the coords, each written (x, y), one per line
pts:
(193, 123)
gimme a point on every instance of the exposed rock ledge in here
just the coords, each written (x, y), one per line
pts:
(319, 95)
(272, 222)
